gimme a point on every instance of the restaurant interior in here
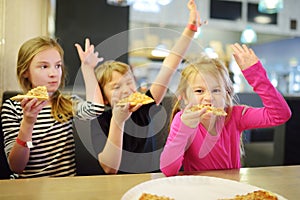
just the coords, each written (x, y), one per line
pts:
(131, 31)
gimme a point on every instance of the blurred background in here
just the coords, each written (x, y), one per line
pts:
(141, 32)
(128, 30)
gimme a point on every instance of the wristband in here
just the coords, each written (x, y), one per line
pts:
(192, 27)
(27, 144)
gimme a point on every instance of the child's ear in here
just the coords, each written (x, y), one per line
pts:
(26, 74)
(183, 97)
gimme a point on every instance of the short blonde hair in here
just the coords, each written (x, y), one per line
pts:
(105, 70)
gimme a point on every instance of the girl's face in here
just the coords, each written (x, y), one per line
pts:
(205, 90)
(119, 87)
(45, 70)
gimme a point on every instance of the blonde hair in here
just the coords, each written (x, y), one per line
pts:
(62, 109)
(105, 70)
(204, 65)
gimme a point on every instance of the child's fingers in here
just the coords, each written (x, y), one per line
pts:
(79, 49)
(87, 44)
(187, 108)
(135, 108)
(237, 48)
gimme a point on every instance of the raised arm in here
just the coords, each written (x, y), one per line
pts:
(244, 56)
(275, 110)
(172, 61)
(89, 60)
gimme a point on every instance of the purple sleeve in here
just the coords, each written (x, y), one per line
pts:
(180, 137)
(275, 111)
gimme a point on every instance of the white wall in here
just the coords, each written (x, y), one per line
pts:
(20, 20)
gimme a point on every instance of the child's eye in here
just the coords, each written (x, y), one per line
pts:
(129, 83)
(44, 66)
(58, 66)
(216, 91)
(116, 87)
(199, 91)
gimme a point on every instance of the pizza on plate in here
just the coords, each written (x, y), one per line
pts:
(214, 110)
(136, 98)
(256, 195)
(39, 92)
(148, 196)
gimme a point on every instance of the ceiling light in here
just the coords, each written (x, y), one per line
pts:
(262, 19)
(210, 52)
(160, 51)
(146, 6)
(270, 6)
(163, 2)
(248, 36)
(120, 2)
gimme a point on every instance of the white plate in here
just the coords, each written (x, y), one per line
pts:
(191, 187)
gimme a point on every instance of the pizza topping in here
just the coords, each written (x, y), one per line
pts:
(40, 92)
(214, 110)
(256, 195)
(147, 196)
(136, 98)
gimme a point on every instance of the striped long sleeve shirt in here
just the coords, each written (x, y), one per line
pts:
(53, 152)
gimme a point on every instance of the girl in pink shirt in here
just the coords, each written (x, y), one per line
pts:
(200, 140)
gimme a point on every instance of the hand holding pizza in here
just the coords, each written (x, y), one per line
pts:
(123, 109)
(31, 109)
(192, 118)
(122, 112)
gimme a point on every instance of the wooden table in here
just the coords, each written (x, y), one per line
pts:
(284, 180)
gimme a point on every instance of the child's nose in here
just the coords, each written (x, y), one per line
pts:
(127, 90)
(208, 96)
(53, 72)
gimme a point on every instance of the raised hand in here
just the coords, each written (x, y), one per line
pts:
(88, 56)
(244, 56)
(194, 14)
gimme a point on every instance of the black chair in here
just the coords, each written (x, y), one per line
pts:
(86, 158)
(5, 172)
(4, 167)
(291, 139)
(262, 145)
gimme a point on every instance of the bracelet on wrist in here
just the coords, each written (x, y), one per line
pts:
(27, 144)
(192, 27)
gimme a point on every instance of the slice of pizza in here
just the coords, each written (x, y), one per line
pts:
(255, 195)
(148, 196)
(136, 98)
(39, 92)
(214, 110)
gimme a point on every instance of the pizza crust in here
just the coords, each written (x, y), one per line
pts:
(39, 92)
(136, 98)
(214, 110)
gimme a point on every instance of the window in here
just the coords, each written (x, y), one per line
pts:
(253, 15)
(228, 10)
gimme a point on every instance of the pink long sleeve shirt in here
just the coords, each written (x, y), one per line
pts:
(196, 149)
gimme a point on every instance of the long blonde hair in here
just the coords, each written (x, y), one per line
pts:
(204, 65)
(61, 105)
